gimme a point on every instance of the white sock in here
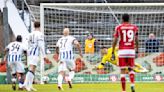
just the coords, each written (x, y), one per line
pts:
(132, 85)
(26, 82)
(20, 85)
(31, 79)
(60, 80)
(71, 75)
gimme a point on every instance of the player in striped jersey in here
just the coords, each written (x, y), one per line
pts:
(66, 57)
(36, 46)
(15, 51)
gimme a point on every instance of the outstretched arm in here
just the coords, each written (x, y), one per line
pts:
(103, 62)
(57, 50)
(114, 44)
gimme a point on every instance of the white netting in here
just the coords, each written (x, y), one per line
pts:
(100, 20)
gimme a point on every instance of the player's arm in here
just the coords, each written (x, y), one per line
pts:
(42, 46)
(114, 44)
(136, 43)
(116, 35)
(25, 53)
(57, 47)
(57, 50)
(78, 46)
(5, 55)
(103, 61)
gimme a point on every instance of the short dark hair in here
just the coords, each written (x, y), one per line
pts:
(36, 24)
(125, 17)
(19, 38)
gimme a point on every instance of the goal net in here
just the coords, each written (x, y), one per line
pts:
(100, 19)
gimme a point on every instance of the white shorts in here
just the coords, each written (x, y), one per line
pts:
(33, 60)
(66, 65)
(128, 53)
(16, 67)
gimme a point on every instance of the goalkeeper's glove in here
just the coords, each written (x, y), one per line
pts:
(101, 66)
(113, 56)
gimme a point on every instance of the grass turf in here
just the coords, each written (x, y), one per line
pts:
(108, 87)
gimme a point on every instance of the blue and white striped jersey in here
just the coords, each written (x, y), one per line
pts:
(65, 45)
(15, 51)
(36, 44)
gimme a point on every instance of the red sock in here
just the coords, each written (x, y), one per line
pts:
(123, 82)
(132, 77)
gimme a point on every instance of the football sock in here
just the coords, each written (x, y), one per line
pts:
(132, 77)
(26, 82)
(123, 82)
(60, 80)
(71, 75)
(31, 79)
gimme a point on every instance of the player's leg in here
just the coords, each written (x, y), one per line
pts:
(33, 60)
(14, 81)
(122, 65)
(71, 74)
(20, 74)
(29, 78)
(13, 73)
(20, 77)
(131, 73)
(139, 68)
(61, 74)
(32, 75)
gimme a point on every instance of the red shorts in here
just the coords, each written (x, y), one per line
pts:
(126, 62)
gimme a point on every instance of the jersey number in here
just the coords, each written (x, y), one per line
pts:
(15, 46)
(63, 43)
(128, 35)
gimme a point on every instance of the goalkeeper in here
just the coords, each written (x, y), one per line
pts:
(107, 53)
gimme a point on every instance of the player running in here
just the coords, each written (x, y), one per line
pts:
(36, 46)
(66, 57)
(128, 41)
(15, 51)
(107, 54)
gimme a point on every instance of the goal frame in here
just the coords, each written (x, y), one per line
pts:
(43, 5)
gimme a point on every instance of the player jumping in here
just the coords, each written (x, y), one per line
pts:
(66, 57)
(128, 40)
(107, 54)
(36, 46)
(15, 51)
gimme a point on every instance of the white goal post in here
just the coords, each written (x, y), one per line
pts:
(100, 19)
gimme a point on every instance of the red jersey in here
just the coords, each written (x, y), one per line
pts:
(127, 34)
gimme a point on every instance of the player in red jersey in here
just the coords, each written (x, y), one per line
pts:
(128, 41)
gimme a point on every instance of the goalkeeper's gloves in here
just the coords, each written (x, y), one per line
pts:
(113, 56)
(101, 66)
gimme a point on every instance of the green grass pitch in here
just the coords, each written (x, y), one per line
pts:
(107, 87)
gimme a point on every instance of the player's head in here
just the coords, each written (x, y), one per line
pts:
(66, 31)
(125, 17)
(104, 50)
(90, 36)
(151, 36)
(37, 24)
(19, 38)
